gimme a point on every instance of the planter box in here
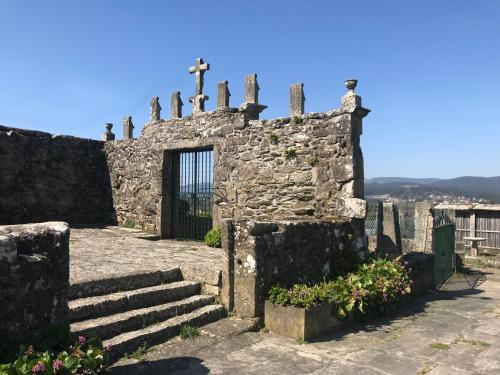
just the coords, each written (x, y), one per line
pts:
(300, 323)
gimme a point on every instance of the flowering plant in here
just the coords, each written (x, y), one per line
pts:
(83, 357)
(376, 286)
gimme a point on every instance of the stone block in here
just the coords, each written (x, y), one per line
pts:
(300, 323)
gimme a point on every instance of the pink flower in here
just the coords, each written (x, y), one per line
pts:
(57, 364)
(107, 348)
(38, 368)
(81, 340)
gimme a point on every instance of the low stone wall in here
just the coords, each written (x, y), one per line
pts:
(47, 177)
(422, 272)
(259, 255)
(34, 282)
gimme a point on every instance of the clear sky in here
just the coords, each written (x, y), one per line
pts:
(428, 70)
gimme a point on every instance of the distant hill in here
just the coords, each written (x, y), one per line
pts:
(420, 188)
(390, 180)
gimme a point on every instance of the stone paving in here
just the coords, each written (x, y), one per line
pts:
(100, 253)
(454, 332)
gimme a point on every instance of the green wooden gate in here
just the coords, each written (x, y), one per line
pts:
(443, 248)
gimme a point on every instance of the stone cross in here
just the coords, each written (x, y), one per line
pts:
(155, 109)
(199, 98)
(297, 99)
(108, 135)
(176, 105)
(223, 95)
(251, 107)
(128, 128)
(199, 69)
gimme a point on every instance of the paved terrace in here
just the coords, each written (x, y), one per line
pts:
(454, 332)
(109, 252)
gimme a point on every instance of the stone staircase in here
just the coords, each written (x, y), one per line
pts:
(126, 312)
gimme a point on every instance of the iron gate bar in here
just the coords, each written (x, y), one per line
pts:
(192, 198)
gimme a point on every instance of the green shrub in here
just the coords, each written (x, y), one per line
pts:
(83, 357)
(376, 286)
(189, 332)
(213, 237)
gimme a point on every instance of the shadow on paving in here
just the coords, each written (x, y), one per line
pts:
(460, 285)
(163, 366)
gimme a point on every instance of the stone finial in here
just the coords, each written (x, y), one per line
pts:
(199, 98)
(108, 135)
(351, 102)
(128, 128)
(223, 94)
(297, 99)
(155, 109)
(351, 84)
(251, 105)
(176, 105)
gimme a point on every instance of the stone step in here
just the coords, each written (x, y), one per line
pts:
(126, 282)
(113, 325)
(161, 332)
(109, 304)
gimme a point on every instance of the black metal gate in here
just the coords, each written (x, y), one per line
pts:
(193, 194)
(443, 248)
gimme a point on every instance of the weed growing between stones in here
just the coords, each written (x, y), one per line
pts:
(312, 160)
(439, 346)
(138, 353)
(128, 223)
(189, 332)
(273, 138)
(290, 153)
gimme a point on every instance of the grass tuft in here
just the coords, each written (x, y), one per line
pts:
(189, 332)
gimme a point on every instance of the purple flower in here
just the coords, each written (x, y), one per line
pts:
(107, 348)
(39, 367)
(57, 364)
(81, 340)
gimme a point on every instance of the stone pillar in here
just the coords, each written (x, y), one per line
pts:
(176, 105)
(297, 99)
(155, 109)
(128, 128)
(424, 219)
(375, 241)
(391, 238)
(472, 223)
(223, 95)
(108, 135)
(351, 104)
(34, 283)
(251, 106)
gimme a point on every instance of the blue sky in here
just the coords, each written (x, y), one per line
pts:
(428, 70)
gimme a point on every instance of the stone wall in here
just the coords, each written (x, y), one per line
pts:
(306, 167)
(259, 255)
(46, 177)
(34, 281)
